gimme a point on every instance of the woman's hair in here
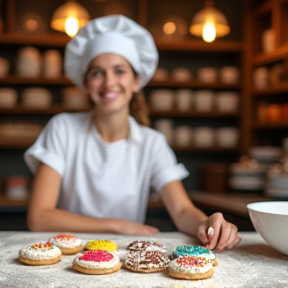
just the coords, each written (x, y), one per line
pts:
(138, 105)
(139, 109)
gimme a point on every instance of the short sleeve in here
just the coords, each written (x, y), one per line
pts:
(49, 147)
(165, 168)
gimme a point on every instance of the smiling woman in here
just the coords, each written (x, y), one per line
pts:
(94, 170)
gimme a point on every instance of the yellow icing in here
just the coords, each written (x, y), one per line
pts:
(101, 245)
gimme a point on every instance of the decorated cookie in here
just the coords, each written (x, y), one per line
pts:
(191, 268)
(146, 245)
(195, 250)
(97, 262)
(105, 245)
(67, 243)
(42, 253)
(146, 261)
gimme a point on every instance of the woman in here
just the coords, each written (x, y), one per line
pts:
(94, 170)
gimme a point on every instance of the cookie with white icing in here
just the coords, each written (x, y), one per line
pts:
(190, 268)
(146, 261)
(67, 243)
(97, 262)
(140, 245)
(42, 253)
(197, 251)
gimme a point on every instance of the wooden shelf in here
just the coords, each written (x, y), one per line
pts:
(278, 54)
(185, 44)
(52, 110)
(263, 8)
(12, 79)
(13, 203)
(281, 88)
(200, 45)
(263, 126)
(16, 143)
(206, 150)
(193, 83)
(48, 39)
(191, 114)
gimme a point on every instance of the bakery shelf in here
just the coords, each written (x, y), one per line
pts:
(205, 150)
(13, 203)
(263, 8)
(12, 79)
(193, 83)
(49, 40)
(200, 46)
(12, 143)
(192, 114)
(266, 126)
(61, 40)
(52, 110)
(281, 88)
(278, 54)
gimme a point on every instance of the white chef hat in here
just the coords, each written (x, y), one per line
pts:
(111, 34)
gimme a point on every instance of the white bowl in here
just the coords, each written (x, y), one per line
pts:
(270, 220)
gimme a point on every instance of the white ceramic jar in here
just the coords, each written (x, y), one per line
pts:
(183, 136)
(29, 62)
(229, 74)
(162, 99)
(207, 74)
(184, 99)
(204, 137)
(227, 101)
(8, 97)
(226, 137)
(204, 100)
(4, 67)
(165, 126)
(261, 78)
(52, 63)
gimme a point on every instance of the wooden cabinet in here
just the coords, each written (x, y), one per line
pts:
(269, 101)
(186, 51)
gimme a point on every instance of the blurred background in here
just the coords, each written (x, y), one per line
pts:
(219, 95)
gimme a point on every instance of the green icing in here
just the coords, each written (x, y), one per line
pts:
(191, 250)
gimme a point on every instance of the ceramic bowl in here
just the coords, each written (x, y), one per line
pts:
(270, 220)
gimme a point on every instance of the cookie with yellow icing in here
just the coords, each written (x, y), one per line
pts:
(106, 245)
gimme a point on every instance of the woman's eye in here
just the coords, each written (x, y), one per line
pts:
(120, 72)
(95, 73)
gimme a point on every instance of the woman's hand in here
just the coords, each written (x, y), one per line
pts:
(224, 235)
(132, 228)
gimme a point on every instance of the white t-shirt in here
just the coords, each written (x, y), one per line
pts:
(100, 179)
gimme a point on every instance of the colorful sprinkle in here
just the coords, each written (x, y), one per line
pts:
(64, 237)
(191, 250)
(190, 261)
(97, 256)
(106, 245)
(42, 246)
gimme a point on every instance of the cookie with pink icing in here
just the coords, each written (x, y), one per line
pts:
(97, 262)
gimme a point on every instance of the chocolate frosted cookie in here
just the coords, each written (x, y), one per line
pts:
(146, 245)
(146, 261)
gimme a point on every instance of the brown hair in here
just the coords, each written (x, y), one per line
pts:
(139, 109)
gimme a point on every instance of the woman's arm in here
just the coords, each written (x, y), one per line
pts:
(44, 216)
(191, 220)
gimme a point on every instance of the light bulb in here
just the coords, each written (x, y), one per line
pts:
(169, 28)
(209, 31)
(71, 26)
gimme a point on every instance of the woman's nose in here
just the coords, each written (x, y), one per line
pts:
(110, 79)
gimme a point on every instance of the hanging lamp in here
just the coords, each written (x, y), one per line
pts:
(69, 18)
(209, 23)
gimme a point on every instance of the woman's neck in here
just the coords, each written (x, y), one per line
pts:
(112, 127)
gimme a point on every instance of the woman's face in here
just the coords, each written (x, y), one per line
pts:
(110, 82)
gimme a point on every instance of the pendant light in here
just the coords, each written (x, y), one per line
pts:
(69, 18)
(209, 23)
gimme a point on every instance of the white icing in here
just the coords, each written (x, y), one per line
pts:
(148, 246)
(189, 269)
(65, 242)
(100, 265)
(39, 253)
